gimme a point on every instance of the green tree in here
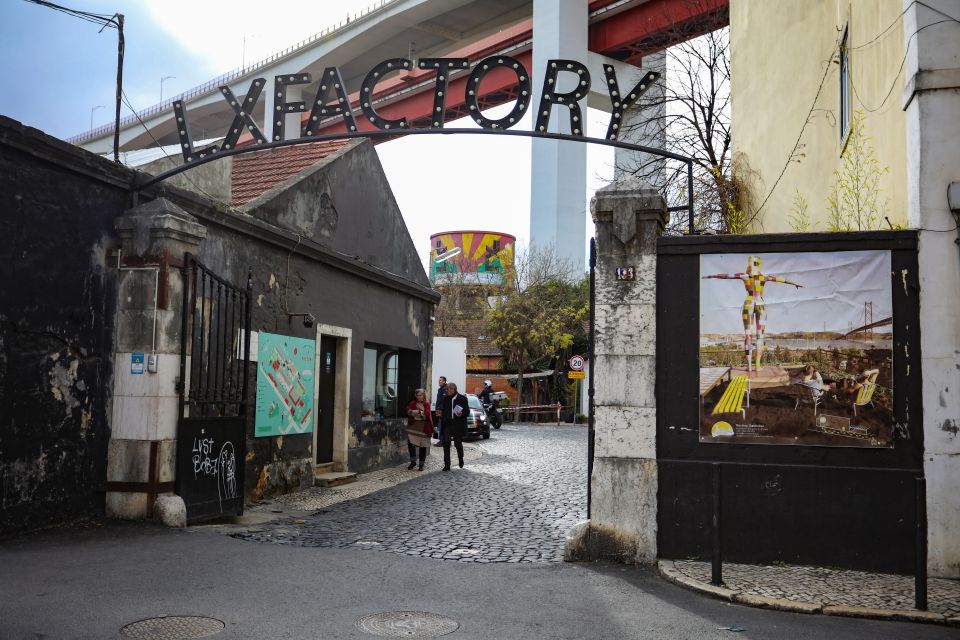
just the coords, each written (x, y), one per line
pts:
(538, 316)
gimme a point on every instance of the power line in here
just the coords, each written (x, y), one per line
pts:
(893, 84)
(126, 101)
(96, 18)
(889, 93)
(806, 121)
(104, 20)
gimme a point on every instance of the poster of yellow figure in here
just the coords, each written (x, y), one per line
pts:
(797, 348)
(285, 372)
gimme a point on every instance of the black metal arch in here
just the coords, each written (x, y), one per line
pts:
(222, 153)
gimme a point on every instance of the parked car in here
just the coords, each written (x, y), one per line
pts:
(477, 422)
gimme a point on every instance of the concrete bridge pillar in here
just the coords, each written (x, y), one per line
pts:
(558, 175)
(141, 458)
(629, 215)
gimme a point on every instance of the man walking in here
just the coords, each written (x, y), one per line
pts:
(456, 408)
(438, 407)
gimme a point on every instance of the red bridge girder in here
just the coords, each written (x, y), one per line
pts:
(627, 35)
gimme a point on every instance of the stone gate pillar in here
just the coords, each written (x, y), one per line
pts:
(629, 215)
(141, 458)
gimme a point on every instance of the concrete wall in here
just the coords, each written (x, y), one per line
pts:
(57, 301)
(780, 49)
(931, 103)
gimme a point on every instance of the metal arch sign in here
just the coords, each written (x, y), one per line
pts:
(332, 101)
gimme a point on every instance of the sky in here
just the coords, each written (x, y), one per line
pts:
(63, 73)
(835, 286)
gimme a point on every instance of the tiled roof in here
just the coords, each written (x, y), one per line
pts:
(478, 343)
(257, 173)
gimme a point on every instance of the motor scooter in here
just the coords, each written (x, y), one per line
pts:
(492, 408)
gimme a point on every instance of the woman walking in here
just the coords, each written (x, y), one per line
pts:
(419, 428)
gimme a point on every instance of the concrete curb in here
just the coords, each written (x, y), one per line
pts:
(669, 573)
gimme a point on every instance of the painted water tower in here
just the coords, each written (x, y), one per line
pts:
(470, 257)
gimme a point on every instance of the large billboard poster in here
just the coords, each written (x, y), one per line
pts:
(285, 371)
(796, 348)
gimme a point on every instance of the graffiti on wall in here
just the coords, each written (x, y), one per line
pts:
(471, 257)
(797, 348)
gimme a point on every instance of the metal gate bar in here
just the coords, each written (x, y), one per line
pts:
(214, 372)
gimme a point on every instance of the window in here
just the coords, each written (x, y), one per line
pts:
(844, 86)
(389, 376)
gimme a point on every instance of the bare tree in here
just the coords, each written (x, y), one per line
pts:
(688, 113)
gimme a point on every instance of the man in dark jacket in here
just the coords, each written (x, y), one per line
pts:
(438, 408)
(456, 408)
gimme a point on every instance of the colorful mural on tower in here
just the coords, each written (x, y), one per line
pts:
(471, 257)
(285, 372)
(798, 351)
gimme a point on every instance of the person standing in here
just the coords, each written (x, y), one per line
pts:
(456, 408)
(419, 428)
(438, 407)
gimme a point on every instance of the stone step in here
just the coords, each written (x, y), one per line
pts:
(334, 478)
(323, 467)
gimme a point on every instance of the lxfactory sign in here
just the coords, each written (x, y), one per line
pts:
(332, 101)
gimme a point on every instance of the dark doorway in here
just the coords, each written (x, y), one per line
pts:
(325, 398)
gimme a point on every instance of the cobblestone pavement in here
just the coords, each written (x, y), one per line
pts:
(514, 503)
(829, 586)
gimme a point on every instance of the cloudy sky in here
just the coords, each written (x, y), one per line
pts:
(59, 69)
(835, 286)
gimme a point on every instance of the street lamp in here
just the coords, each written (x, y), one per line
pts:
(99, 106)
(243, 53)
(162, 80)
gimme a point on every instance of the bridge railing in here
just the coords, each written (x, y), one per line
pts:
(211, 85)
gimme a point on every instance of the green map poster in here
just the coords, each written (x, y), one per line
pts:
(285, 371)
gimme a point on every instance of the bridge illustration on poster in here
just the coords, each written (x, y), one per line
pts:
(284, 385)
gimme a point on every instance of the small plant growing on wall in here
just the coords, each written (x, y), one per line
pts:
(855, 202)
(800, 214)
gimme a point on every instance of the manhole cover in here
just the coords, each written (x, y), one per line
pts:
(407, 624)
(172, 628)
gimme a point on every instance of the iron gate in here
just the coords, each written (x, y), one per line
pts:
(211, 434)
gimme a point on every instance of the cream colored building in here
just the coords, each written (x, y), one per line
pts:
(782, 52)
(800, 68)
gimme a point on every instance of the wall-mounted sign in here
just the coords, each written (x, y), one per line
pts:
(284, 385)
(136, 363)
(626, 273)
(332, 100)
(797, 348)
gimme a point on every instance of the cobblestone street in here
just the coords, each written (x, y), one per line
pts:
(514, 501)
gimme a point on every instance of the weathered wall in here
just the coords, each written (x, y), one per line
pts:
(931, 102)
(58, 303)
(629, 215)
(344, 256)
(57, 300)
(779, 52)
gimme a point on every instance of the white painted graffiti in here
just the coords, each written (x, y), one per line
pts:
(202, 462)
